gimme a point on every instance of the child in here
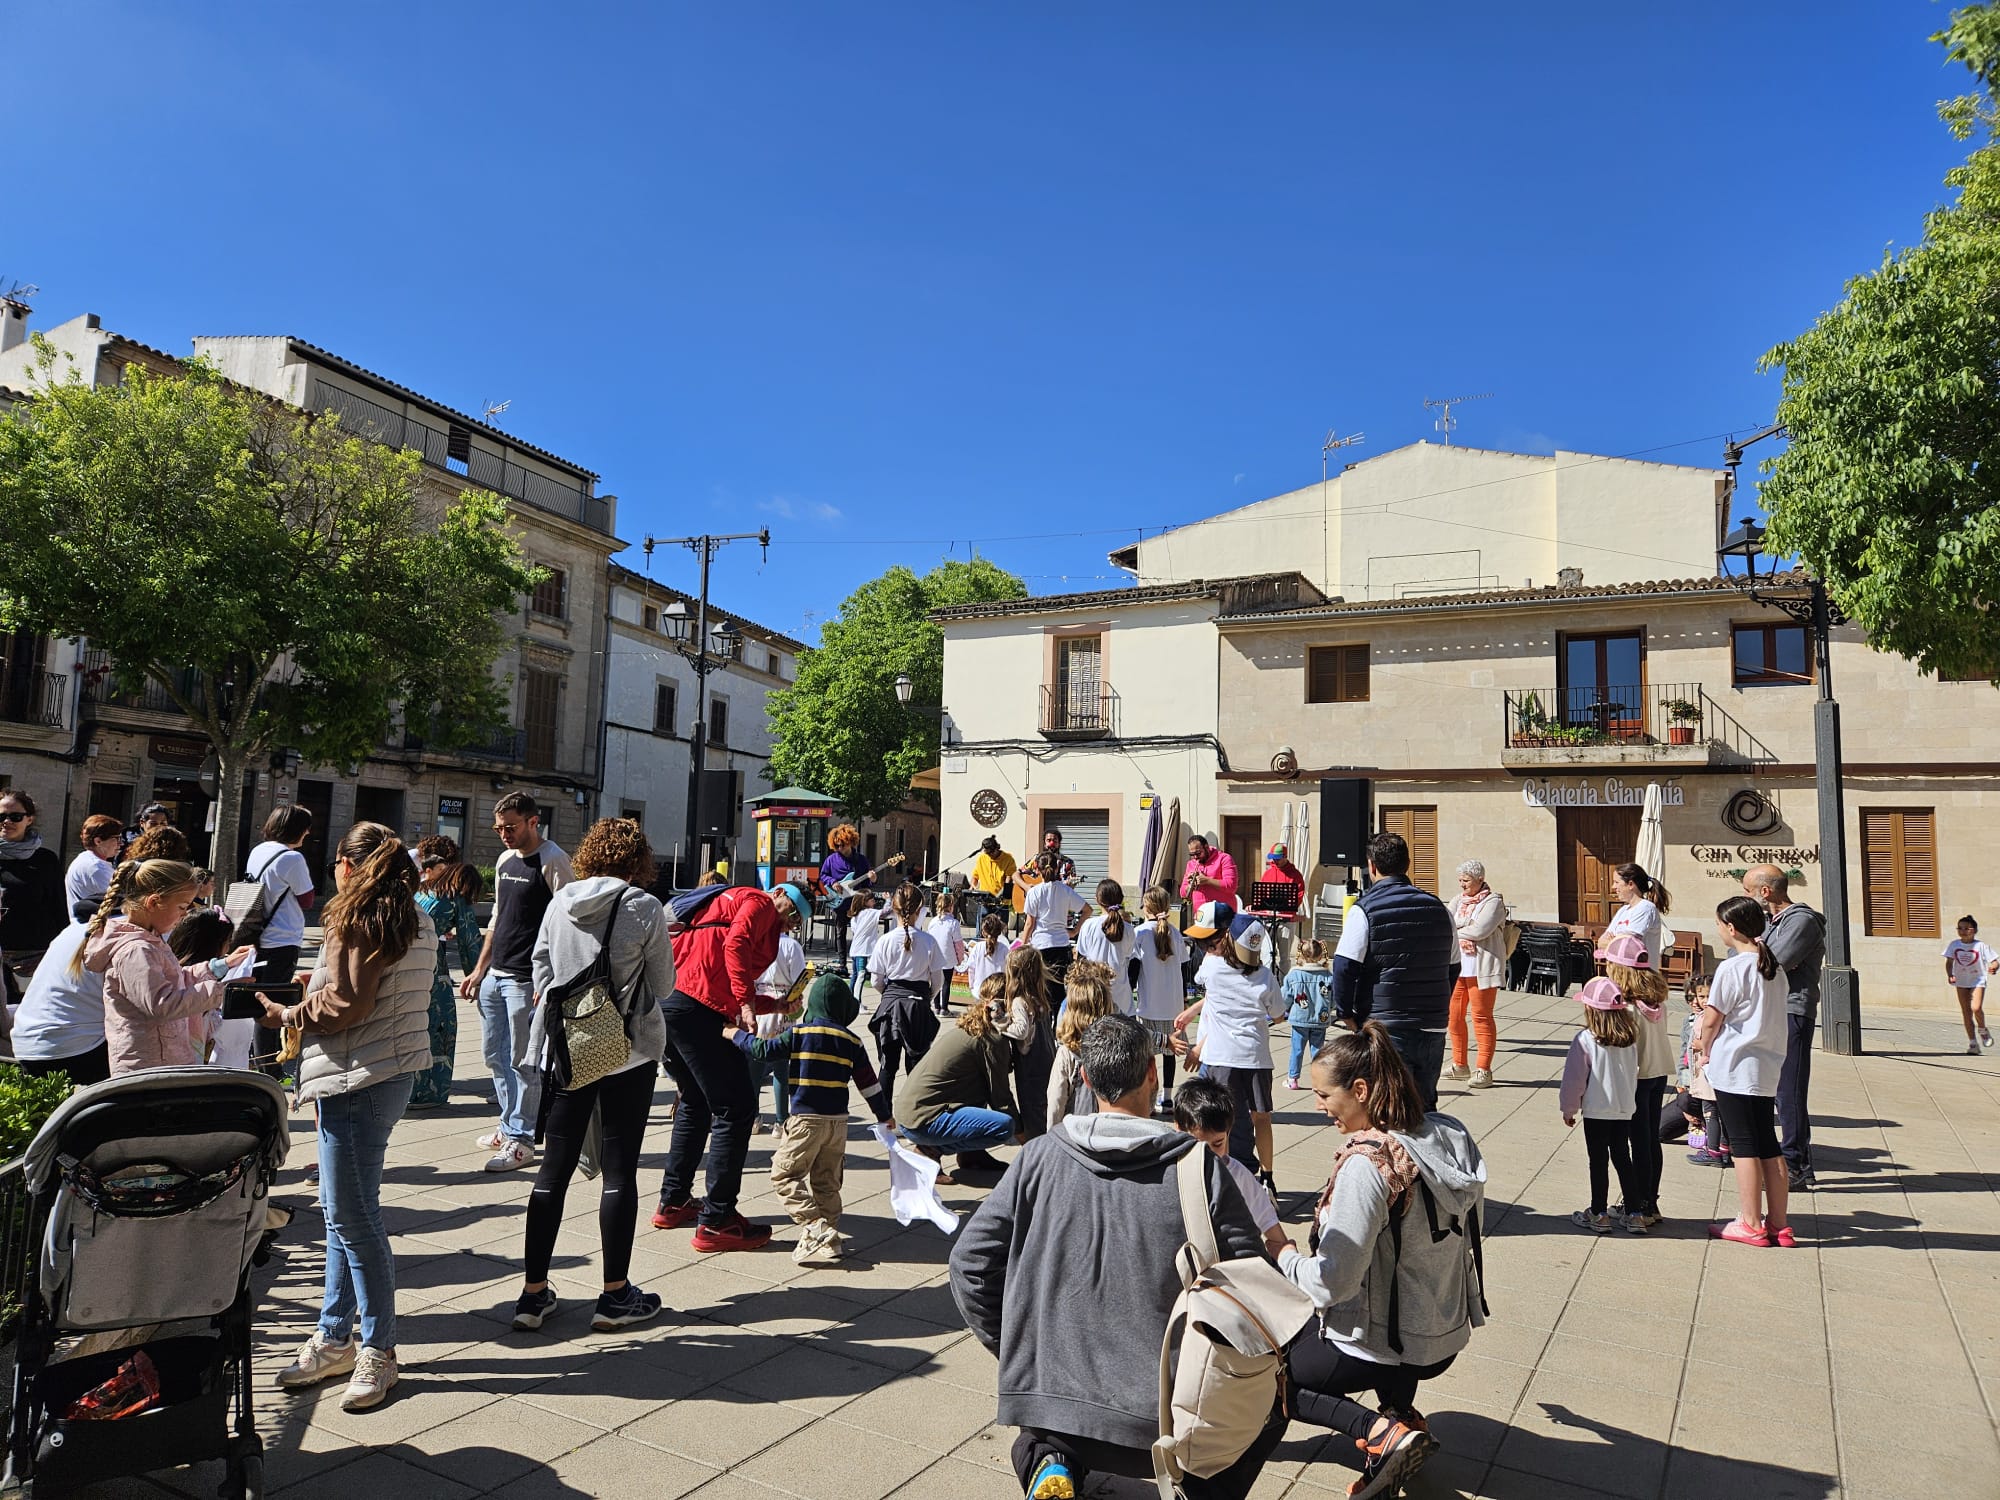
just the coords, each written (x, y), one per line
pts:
(1204, 1110)
(864, 926)
(773, 1015)
(818, 1056)
(988, 955)
(1109, 939)
(1967, 962)
(1309, 991)
(1087, 990)
(1030, 1026)
(1240, 1003)
(1712, 1150)
(946, 932)
(1629, 965)
(905, 963)
(1599, 1081)
(1162, 987)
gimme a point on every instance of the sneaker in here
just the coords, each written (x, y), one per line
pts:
(1583, 1218)
(1652, 1218)
(493, 1140)
(533, 1308)
(319, 1358)
(510, 1157)
(1051, 1481)
(677, 1215)
(374, 1376)
(1802, 1182)
(819, 1245)
(1737, 1232)
(1707, 1158)
(1458, 1072)
(1985, 1038)
(1633, 1223)
(1390, 1455)
(1269, 1184)
(1972, 1049)
(1784, 1239)
(979, 1161)
(734, 1233)
(758, 1127)
(1292, 1084)
(624, 1307)
(1482, 1078)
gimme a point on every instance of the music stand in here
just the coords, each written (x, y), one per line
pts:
(1278, 898)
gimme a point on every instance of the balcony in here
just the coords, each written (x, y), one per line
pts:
(500, 745)
(35, 698)
(1082, 711)
(149, 697)
(1672, 723)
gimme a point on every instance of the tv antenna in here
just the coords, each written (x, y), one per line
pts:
(491, 409)
(1332, 442)
(1447, 422)
(17, 291)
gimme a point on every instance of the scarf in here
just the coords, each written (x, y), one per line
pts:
(1386, 1155)
(1463, 908)
(25, 848)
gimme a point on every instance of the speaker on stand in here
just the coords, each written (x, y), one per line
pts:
(1346, 822)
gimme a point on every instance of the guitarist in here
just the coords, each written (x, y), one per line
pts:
(845, 863)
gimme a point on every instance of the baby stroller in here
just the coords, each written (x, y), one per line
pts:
(147, 1198)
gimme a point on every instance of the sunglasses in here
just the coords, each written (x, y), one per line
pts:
(14, 817)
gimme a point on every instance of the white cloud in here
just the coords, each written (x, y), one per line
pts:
(800, 510)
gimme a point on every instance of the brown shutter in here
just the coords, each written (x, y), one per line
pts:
(1419, 829)
(1899, 886)
(540, 692)
(1920, 885)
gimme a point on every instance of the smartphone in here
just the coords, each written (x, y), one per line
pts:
(239, 997)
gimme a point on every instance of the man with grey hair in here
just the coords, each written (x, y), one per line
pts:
(1797, 940)
(1093, 1209)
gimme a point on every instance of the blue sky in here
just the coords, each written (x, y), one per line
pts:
(902, 280)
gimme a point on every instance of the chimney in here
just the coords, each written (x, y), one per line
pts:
(13, 323)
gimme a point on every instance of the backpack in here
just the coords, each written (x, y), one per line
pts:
(249, 907)
(1235, 1317)
(586, 1028)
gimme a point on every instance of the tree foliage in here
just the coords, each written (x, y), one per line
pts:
(839, 728)
(303, 574)
(1888, 487)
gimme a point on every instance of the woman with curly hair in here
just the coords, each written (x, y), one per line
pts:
(447, 893)
(846, 862)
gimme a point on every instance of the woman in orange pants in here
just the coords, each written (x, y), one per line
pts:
(1480, 917)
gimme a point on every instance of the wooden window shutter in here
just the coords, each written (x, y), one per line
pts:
(1920, 884)
(1899, 885)
(541, 695)
(1337, 674)
(1418, 827)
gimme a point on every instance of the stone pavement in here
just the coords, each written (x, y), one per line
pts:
(1865, 1363)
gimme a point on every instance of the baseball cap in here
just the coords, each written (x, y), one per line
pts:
(1210, 918)
(1248, 936)
(1278, 851)
(1601, 994)
(1627, 952)
(801, 902)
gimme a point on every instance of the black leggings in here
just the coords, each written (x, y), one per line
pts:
(623, 1101)
(904, 1027)
(1648, 1160)
(1609, 1143)
(1319, 1378)
(84, 1069)
(1751, 1123)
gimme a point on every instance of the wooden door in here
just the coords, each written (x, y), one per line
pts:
(1590, 843)
(1243, 842)
(1419, 828)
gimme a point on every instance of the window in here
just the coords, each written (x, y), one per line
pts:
(1419, 828)
(541, 695)
(664, 708)
(552, 594)
(718, 721)
(1604, 682)
(1899, 892)
(1337, 674)
(652, 618)
(458, 449)
(1771, 655)
(777, 665)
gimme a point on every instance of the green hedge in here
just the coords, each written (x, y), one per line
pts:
(24, 1103)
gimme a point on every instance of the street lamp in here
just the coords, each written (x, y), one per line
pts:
(1840, 982)
(904, 687)
(725, 641)
(674, 621)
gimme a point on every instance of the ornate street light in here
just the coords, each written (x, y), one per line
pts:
(904, 687)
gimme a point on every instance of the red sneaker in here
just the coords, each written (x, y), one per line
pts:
(677, 1216)
(734, 1233)
(1739, 1232)
(1784, 1239)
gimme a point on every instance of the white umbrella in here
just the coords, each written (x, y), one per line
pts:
(1651, 855)
(1285, 827)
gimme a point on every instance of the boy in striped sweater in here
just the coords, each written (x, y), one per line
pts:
(818, 1057)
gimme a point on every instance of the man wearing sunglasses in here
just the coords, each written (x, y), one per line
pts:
(32, 908)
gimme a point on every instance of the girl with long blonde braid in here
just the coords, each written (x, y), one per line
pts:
(905, 962)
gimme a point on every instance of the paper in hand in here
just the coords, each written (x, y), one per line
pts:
(913, 1185)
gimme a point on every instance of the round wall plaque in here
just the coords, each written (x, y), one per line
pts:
(989, 808)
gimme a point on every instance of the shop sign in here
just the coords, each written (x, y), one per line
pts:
(170, 751)
(1611, 792)
(1753, 854)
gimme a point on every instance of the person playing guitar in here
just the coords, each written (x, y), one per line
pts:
(845, 864)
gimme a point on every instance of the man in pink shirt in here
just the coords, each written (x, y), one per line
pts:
(1211, 874)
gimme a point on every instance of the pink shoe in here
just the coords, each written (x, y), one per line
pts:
(1784, 1238)
(1292, 1084)
(1741, 1233)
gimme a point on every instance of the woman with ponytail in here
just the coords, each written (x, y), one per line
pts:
(1645, 902)
(905, 963)
(1739, 1041)
(1395, 1308)
(1111, 939)
(1161, 989)
(366, 1037)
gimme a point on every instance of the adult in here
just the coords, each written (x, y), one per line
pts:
(448, 891)
(992, 874)
(32, 907)
(1210, 874)
(60, 1026)
(1739, 1040)
(1052, 844)
(844, 862)
(1396, 1282)
(1051, 913)
(152, 816)
(614, 865)
(1644, 901)
(1093, 1208)
(278, 866)
(955, 1098)
(364, 1040)
(1796, 937)
(89, 875)
(1397, 961)
(530, 870)
(717, 958)
(1240, 1000)
(1283, 919)
(1479, 918)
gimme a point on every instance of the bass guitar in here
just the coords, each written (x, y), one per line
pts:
(847, 885)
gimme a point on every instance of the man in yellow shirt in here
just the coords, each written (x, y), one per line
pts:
(991, 873)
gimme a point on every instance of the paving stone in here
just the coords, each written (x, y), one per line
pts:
(831, 1461)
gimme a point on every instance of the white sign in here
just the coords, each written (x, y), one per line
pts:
(1614, 793)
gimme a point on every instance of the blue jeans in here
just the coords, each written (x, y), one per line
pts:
(1423, 1052)
(360, 1267)
(505, 1007)
(967, 1128)
(774, 1074)
(1306, 1040)
(858, 965)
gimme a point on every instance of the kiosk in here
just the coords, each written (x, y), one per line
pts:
(791, 835)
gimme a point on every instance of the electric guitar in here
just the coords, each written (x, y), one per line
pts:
(847, 885)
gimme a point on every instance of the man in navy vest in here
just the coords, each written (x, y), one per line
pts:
(1396, 962)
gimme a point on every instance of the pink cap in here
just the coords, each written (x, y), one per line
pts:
(1601, 994)
(1626, 951)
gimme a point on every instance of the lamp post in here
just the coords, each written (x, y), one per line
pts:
(1840, 982)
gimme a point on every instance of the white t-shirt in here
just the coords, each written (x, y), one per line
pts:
(1263, 1212)
(62, 1013)
(950, 938)
(1749, 1050)
(1162, 995)
(284, 873)
(920, 961)
(1052, 904)
(1091, 943)
(1968, 963)
(979, 967)
(1236, 1014)
(785, 968)
(88, 879)
(1640, 919)
(863, 930)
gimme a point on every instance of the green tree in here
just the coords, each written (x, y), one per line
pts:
(282, 581)
(1888, 487)
(839, 728)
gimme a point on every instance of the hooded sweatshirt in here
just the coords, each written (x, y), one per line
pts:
(642, 958)
(1349, 1276)
(1066, 1272)
(821, 1054)
(150, 998)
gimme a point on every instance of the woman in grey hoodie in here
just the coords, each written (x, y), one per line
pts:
(614, 865)
(1393, 1265)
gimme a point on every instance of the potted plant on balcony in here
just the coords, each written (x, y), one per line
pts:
(1683, 715)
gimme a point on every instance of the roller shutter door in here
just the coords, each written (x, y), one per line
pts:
(1086, 839)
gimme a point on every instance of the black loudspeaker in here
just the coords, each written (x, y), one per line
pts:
(1346, 822)
(721, 803)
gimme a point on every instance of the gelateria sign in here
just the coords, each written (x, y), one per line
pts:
(1610, 792)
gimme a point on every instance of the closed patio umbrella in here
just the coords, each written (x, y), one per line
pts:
(1651, 855)
(1166, 867)
(1149, 850)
